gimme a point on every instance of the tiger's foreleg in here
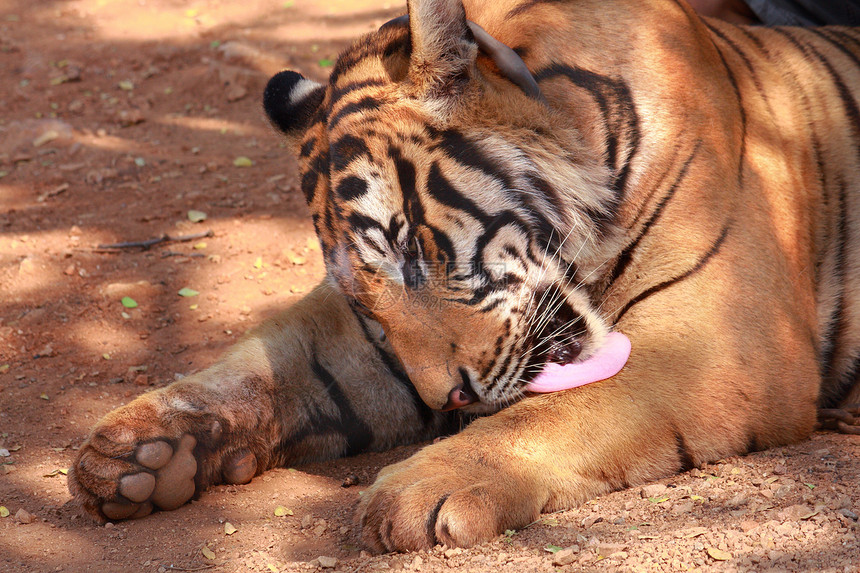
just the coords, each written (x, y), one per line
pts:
(555, 451)
(316, 382)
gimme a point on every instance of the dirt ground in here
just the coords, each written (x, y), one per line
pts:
(117, 118)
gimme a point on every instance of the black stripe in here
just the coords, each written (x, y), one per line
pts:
(345, 150)
(340, 92)
(734, 46)
(393, 366)
(753, 71)
(462, 150)
(358, 434)
(359, 222)
(407, 178)
(844, 35)
(320, 424)
(696, 268)
(685, 459)
(741, 111)
(496, 224)
(753, 443)
(845, 94)
(307, 147)
(310, 178)
(430, 524)
(620, 118)
(351, 187)
(444, 192)
(414, 209)
(627, 254)
(503, 368)
(367, 103)
(385, 42)
(838, 320)
(547, 191)
(466, 152)
(527, 6)
(841, 47)
(492, 306)
(835, 395)
(754, 39)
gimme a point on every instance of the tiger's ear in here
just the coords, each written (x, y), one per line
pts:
(290, 101)
(443, 47)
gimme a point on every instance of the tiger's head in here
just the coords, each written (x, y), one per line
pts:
(453, 206)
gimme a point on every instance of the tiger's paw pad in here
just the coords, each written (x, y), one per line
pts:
(240, 467)
(168, 486)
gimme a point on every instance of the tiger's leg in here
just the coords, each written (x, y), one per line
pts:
(556, 451)
(315, 383)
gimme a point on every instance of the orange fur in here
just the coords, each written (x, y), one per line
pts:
(700, 184)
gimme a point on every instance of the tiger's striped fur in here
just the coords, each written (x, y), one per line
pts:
(692, 184)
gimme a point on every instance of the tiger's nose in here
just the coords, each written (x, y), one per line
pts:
(460, 396)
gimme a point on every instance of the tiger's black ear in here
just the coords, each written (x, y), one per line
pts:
(291, 100)
(443, 47)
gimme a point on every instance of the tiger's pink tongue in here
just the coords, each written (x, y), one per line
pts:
(606, 362)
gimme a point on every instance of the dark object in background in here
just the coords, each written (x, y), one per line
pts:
(782, 12)
(806, 12)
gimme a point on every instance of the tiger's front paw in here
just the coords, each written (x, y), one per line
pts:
(144, 456)
(440, 497)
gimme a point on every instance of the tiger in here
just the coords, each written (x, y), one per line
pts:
(504, 189)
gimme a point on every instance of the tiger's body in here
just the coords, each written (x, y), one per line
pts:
(691, 184)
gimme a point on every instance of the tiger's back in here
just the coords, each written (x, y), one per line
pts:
(801, 89)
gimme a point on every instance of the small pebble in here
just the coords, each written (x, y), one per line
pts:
(653, 490)
(566, 556)
(24, 516)
(327, 562)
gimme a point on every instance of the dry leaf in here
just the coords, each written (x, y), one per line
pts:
(719, 554)
(196, 216)
(47, 136)
(207, 553)
(229, 529)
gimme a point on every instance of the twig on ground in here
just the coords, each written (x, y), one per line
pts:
(198, 568)
(167, 254)
(165, 238)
